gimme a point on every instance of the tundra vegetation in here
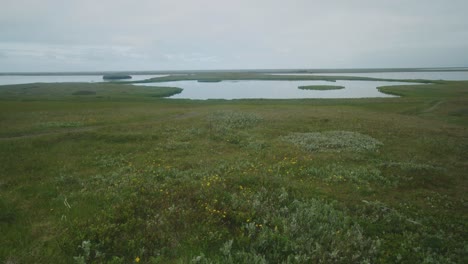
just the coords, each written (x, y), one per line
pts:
(116, 76)
(239, 76)
(321, 87)
(113, 173)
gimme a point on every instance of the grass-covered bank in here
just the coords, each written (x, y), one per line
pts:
(86, 91)
(321, 87)
(126, 178)
(243, 76)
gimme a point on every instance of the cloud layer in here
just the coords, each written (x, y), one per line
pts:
(85, 35)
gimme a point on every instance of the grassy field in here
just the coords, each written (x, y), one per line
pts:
(114, 174)
(80, 91)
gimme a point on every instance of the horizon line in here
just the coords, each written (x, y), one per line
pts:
(264, 70)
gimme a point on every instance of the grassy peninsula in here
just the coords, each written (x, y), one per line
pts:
(321, 87)
(116, 76)
(112, 173)
(218, 76)
(67, 91)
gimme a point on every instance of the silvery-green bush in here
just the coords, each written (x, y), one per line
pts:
(285, 230)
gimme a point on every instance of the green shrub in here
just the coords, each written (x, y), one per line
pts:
(284, 230)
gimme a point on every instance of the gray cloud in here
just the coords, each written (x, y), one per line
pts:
(210, 34)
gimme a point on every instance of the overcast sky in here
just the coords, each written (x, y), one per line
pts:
(90, 35)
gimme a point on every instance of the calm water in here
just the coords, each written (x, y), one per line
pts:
(14, 79)
(273, 89)
(261, 89)
(450, 76)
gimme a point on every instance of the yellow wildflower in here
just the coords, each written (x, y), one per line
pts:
(137, 259)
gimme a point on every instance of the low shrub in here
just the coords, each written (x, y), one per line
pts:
(225, 120)
(333, 141)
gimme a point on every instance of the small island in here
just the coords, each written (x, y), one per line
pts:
(116, 76)
(209, 80)
(321, 87)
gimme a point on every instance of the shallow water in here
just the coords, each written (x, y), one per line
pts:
(436, 75)
(273, 89)
(18, 79)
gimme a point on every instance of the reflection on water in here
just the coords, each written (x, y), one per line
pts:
(273, 89)
(18, 79)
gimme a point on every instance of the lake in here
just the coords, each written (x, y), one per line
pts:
(273, 89)
(19, 79)
(261, 89)
(434, 75)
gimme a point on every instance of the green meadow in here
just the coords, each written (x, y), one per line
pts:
(116, 173)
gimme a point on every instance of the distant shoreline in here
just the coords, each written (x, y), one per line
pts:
(348, 70)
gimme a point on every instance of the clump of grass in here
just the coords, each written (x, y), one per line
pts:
(333, 141)
(360, 176)
(8, 213)
(229, 126)
(321, 87)
(111, 161)
(414, 173)
(84, 92)
(411, 166)
(459, 112)
(234, 120)
(226, 120)
(60, 124)
(172, 145)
